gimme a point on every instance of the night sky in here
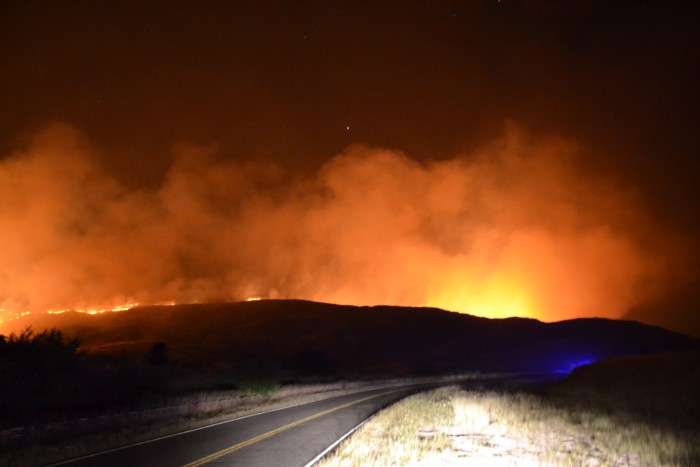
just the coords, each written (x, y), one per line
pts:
(516, 157)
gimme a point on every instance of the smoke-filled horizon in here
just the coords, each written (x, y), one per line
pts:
(354, 153)
(515, 227)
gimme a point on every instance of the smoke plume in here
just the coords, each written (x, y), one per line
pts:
(518, 227)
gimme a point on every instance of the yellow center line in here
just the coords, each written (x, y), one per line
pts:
(243, 444)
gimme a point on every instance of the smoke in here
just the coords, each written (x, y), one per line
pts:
(517, 227)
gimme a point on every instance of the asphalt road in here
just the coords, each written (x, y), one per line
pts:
(285, 437)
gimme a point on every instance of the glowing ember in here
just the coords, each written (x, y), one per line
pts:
(7, 316)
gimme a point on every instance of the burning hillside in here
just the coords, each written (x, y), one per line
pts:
(515, 228)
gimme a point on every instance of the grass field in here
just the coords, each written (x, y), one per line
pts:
(627, 412)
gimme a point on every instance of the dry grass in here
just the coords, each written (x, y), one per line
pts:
(451, 426)
(570, 424)
(407, 433)
(523, 429)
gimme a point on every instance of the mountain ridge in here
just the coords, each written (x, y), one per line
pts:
(378, 339)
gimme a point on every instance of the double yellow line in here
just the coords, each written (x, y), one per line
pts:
(236, 447)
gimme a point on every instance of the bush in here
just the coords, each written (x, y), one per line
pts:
(39, 370)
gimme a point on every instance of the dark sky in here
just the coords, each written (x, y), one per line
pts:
(294, 83)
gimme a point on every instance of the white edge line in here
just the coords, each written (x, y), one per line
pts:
(172, 435)
(68, 461)
(313, 461)
(330, 448)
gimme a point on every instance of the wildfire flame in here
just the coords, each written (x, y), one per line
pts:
(513, 229)
(7, 317)
(94, 311)
(498, 299)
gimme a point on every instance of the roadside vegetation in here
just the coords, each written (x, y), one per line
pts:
(58, 401)
(48, 374)
(66, 437)
(641, 411)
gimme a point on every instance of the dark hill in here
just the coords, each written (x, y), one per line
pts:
(366, 340)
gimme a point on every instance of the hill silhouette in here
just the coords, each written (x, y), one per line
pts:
(350, 340)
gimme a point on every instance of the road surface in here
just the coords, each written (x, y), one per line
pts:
(285, 437)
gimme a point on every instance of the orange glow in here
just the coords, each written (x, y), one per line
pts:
(9, 318)
(513, 229)
(94, 311)
(499, 298)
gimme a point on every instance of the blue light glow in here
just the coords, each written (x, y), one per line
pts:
(569, 365)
